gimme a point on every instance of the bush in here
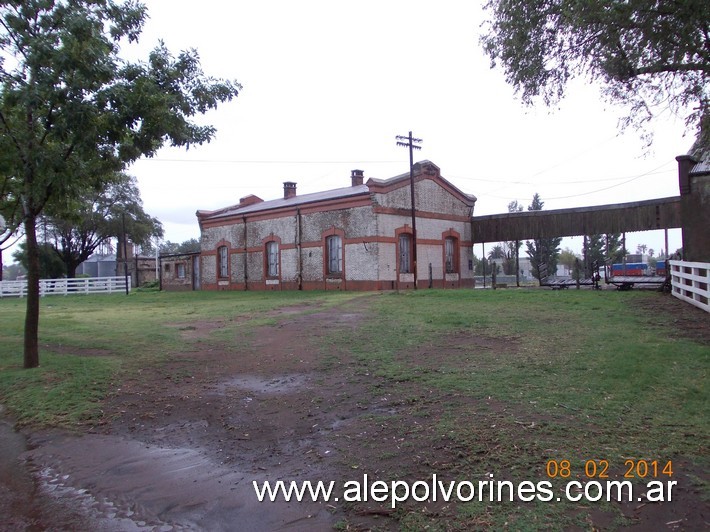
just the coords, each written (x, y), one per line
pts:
(150, 286)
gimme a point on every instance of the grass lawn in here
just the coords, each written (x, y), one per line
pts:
(112, 336)
(517, 380)
(502, 381)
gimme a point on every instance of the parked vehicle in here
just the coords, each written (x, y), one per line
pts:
(661, 268)
(630, 269)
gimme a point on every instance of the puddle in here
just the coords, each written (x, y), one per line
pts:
(107, 483)
(128, 485)
(271, 385)
(12, 472)
(17, 487)
(288, 311)
(24, 505)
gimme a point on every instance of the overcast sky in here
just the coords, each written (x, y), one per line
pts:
(327, 86)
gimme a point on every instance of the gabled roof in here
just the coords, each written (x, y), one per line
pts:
(422, 168)
(237, 210)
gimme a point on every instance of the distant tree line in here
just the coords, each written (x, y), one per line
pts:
(188, 246)
(545, 253)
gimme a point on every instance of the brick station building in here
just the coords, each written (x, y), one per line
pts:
(353, 238)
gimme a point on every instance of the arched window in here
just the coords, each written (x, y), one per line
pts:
(450, 254)
(334, 254)
(272, 259)
(222, 262)
(405, 253)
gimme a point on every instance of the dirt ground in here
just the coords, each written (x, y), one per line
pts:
(181, 443)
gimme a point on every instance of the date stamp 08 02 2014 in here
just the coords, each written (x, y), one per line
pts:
(600, 469)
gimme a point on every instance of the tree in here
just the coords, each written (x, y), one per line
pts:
(50, 264)
(188, 246)
(646, 54)
(484, 266)
(577, 270)
(10, 231)
(543, 252)
(515, 206)
(601, 249)
(497, 252)
(614, 251)
(512, 248)
(568, 259)
(73, 113)
(75, 231)
(593, 252)
(11, 272)
(507, 251)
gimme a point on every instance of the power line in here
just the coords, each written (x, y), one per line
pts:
(609, 187)
(258, 161)
(582, 181)
(634, 178)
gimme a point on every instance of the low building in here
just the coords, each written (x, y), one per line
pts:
(180, 271)
(353, 238)
(98, 265)
(140, 269)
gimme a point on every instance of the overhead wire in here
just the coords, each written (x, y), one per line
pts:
(610, 187)
(507, 183)
(261, 161)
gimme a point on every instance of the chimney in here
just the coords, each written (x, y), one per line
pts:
(685, 165)
(356, 176)
(251, 199)
(289, 189)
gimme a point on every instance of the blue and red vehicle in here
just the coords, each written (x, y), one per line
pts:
(661, 268)
(630, 269)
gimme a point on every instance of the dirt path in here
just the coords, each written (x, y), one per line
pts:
(183, 442)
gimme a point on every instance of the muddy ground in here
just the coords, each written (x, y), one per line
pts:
(180, 444)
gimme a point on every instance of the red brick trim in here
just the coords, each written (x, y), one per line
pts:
(271, 238)
(422, 214)
(405, 230)
(451, 233)
(227, 244)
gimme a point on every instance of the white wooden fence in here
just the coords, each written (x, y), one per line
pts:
(691, 282)
(87, 285)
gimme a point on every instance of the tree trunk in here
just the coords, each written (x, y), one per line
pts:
(31, 354)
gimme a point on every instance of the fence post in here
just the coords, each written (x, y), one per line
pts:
(690, 282)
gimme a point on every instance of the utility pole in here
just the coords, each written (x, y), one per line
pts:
(411, 143)
(125, 252)
(3, 225)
